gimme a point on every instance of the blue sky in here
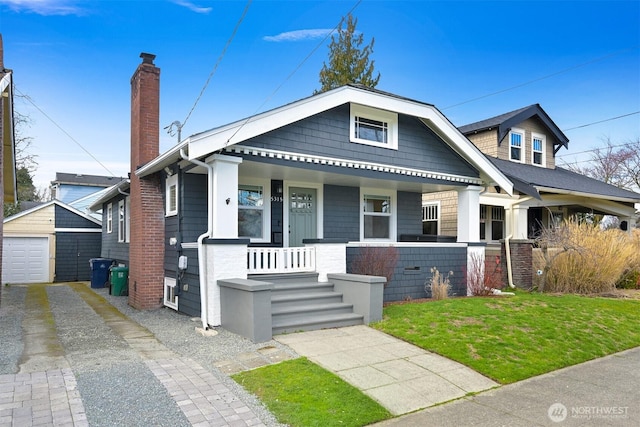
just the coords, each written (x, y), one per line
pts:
(580, 60)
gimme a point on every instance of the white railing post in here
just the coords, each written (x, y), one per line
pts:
(281, 260)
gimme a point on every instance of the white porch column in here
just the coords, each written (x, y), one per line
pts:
(469, 214)
(519, 219)
(224, 196)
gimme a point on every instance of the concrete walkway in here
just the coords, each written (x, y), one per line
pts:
(601, 392)
(401, 377)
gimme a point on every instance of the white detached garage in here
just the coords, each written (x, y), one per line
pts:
(48, 243)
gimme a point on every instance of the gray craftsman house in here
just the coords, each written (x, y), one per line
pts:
(253, 225)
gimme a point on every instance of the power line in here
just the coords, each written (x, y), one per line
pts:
(602, 121)
(213, 71)
(28, 98)
(628, 144)
(542, 78)
(295, 70)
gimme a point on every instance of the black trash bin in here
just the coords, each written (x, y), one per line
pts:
(99, 271)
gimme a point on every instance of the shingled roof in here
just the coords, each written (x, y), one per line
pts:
(561, 180)
(504, 123)
(88, 180)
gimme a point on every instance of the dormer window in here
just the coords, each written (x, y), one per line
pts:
(516, 143)
(537, 147)
(373, 127)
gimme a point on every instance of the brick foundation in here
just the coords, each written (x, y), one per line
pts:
(521, 262)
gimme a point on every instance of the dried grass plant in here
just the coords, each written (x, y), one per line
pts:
(438, 285)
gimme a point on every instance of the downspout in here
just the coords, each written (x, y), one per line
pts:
(202, 265)
(508, 253)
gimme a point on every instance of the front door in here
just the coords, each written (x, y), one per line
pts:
(302, 215)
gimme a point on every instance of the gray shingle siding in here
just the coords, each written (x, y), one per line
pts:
(327, 134)
(111, 248)
(193, 208)
(341, 212)
(189, 300)
(409, 213)
(68, 219)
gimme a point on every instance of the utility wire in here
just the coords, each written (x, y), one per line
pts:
(215, 67)
(28, 98)
(602, 121)
(295, 70)
(543, 77)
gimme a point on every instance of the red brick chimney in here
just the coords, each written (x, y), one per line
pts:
(146, 246)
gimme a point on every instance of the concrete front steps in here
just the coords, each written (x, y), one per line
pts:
(300, 303)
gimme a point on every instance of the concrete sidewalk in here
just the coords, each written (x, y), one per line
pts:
(401, 377)
(601, 392)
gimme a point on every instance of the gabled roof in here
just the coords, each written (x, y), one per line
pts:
(109, 193)
(561, 181)
(208, 142)
(86, 180)
(46, 205)
(504, 123)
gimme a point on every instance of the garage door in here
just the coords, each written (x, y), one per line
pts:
(25, 260)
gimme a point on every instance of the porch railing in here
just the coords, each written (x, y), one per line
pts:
(281, 260)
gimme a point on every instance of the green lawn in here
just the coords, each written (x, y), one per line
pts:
(513, 338)
(300, 393)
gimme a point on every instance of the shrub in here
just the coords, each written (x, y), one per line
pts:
(483, 275)
(376, 261)
(581, 258)
(438, 285)
(629, 280)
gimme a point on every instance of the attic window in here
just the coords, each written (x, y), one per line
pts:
(537, 146)
(516, 143)
(373, 127)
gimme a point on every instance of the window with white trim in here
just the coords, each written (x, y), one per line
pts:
(121, 221)
(251, 215)
(516, 145)
(127, 219)
(109, 218)
(491, 222)
(537, 149)
(431, 218)
(170, 297)
(171, 198)
(378, 220)
(373, 127)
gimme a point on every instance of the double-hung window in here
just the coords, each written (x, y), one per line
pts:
(251, 211)
(537, 147)
(121, 222)
(430, 218)
(378, 217)
(109, 218)
(374, 127)
(516, 145)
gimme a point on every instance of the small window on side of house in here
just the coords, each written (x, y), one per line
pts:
(516, 145)
(172, 195)
(537, 148)
(378, 218)
(374, 127)
(127, 219)
(109, 218)
(121, 221)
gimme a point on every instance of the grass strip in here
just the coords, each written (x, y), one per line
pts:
(512, 338)
(300, 393)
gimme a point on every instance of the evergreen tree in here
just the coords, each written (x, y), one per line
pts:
(348, 61)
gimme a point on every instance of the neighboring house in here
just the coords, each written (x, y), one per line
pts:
(8, 185)
(80, 191)
(52, 242)
(299, 189)
(523, 145)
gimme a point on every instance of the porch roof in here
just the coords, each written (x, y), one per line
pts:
(563, 181)
(205, 143)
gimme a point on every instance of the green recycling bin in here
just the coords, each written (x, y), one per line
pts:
(119, 279)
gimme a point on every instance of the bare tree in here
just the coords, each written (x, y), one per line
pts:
(617, 165)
